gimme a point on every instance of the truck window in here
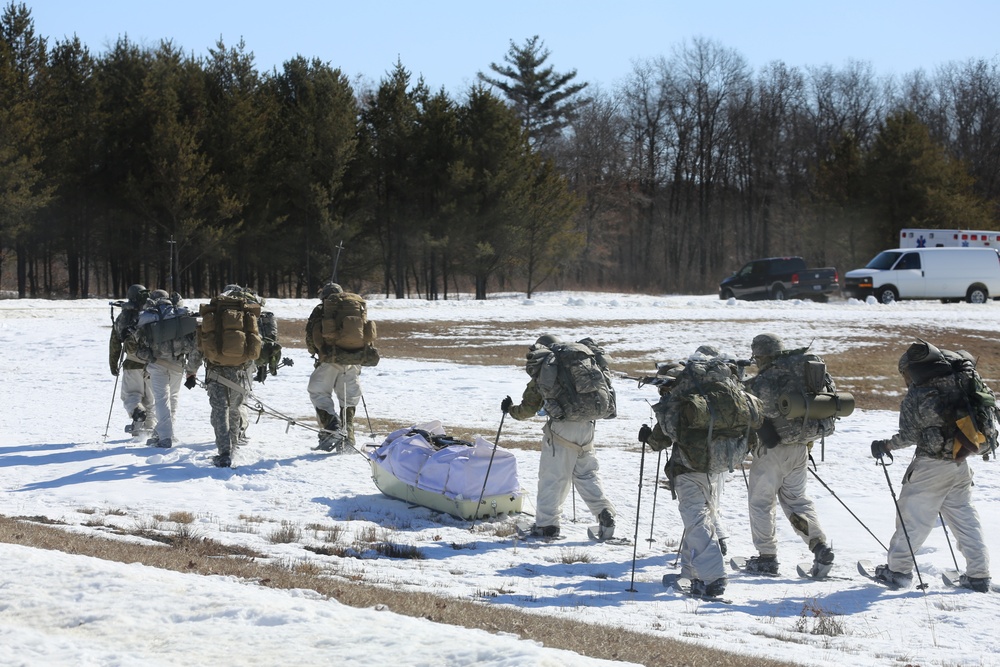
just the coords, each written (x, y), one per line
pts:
(884, 260)
(910, 260)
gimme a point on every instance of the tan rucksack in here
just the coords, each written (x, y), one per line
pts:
(345, 324)
(229, 334)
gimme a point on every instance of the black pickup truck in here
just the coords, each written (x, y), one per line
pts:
(780, 278)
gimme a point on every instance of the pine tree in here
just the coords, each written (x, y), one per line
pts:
(545, 101)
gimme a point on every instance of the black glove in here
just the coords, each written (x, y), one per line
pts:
(191, 381)
(114, 371)
(261, 374)
(880, 448)
(506, 404)
(644, 433)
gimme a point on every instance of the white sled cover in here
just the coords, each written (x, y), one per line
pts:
(408, 467)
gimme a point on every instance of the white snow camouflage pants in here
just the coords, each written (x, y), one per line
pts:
(780, 474)
(931, 486)
(329, 380)
(568, 459)
(697, 497)
(137, 391)
(718, 486)
(165, 376)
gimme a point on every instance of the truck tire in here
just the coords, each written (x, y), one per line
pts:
(977, 294)
(778, 293)
(726, 295)
(887, 294)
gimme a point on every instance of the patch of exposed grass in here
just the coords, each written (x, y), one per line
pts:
(180, 517)
(815, 620)
(285, 534)
(570, 556)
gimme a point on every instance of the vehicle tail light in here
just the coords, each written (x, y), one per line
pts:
(795, 279)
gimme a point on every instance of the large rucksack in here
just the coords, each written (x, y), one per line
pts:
(973, 425)
(806, 388)
(345, 322)
(574, 381)
(711, 415)
(229, 334)
(165, 331)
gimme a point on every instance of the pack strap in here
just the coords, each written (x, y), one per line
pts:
(216, 377)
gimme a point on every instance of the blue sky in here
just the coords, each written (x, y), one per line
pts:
(449, 41)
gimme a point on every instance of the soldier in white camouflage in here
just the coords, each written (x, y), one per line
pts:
(778, 472)
(938, 479)
(136, 392)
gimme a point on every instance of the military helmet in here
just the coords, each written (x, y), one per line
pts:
(547, 340)
(707, 350)
(137, 294)
(159, 294)
(233, 287)
(766, 345)
(331, 288)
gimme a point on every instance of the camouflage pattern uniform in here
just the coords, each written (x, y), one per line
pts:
(137, 391)
(698, 493)
(779, 473)
(567, 461)
(167, 364)
(331, 377)
(934, 481)
(229, 412)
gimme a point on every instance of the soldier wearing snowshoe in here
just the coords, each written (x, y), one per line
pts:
(166, 342)
(136, 392)
(230, 341)
(567, 457)
(778, 471)
(938, 418)
(341, 338)
(708, 420)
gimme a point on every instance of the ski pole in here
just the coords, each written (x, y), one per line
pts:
(948, 540)
(902, 523)
(114, 393)
(656, 486)
(635, 538)
(680, 545)
(475, 514)
(371, 431)
(843, 503)
(574, 501)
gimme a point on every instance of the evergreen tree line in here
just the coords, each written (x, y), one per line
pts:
(148, 165)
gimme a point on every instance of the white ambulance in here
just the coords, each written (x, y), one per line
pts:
(948, 238)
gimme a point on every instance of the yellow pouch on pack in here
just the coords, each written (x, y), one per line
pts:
(967, 439)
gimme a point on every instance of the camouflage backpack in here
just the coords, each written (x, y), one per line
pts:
(574, 381)
(709, 416)
(165, 331)
(229, 334)
(345, 322)
(802, 374)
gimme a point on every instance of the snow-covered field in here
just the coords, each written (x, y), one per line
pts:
(70, 610)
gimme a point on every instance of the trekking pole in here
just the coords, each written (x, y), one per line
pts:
(844, 504)
(371, 431)
(475, 515)
(680, 545)
(948, 540)
(902, 523)
(574, 501)
(114, 392)
(656, 486)
(635, 538)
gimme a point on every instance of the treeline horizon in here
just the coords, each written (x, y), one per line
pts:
(143, 164)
